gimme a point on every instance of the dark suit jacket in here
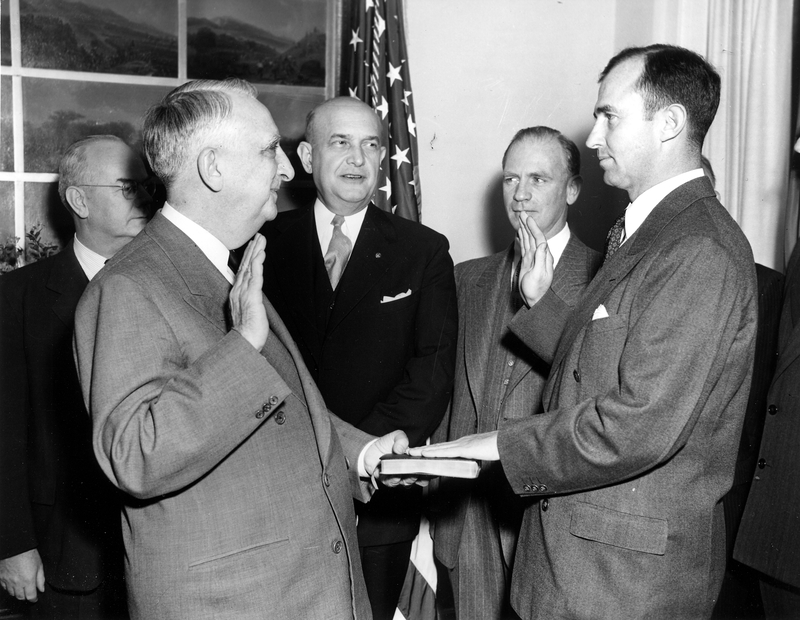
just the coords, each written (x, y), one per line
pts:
(53, 496)
(379, 365)
(241, 495)
(643, 412)
(769, 538)
(481, 402)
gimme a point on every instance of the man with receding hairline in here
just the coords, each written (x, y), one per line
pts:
(497, 378)
(59, 518)
(240, 483)
(369, 298)
(649, 381)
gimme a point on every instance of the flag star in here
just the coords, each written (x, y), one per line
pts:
(383, 108)
(400, 156)
(405, 100)
(353, 92)
(380, 25)
(387, 188)
(394, 73)
(412, 126)
(369, 5)
(356, 39)
(413, 183)
(394, 208)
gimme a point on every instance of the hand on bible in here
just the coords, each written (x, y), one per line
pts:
(247, 308)
(395, 442)
(482, 447)
(536, 266)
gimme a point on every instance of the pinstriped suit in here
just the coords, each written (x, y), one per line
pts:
(497, 379)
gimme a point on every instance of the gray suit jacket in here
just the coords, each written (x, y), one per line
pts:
(769, 539)
(240, 494)
(643, 411)
(483, 295)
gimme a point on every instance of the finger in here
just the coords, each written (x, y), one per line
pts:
(535, 231)
(40, 578)
(525, 240)
(400, 445)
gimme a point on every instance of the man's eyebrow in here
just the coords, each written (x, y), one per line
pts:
(604, 109)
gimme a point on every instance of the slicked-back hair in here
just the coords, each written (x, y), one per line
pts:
(173, 125)
(73, 167)
(540, 132)
(673, 74)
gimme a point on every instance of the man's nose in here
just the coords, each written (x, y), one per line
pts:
(595, 139)
(285, 168)
(356, 156)
(521, 194)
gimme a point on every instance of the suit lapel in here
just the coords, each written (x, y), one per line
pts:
(486, 300)
(68, 281)
(207, 288)
(372, 256)
(627, 257)
(293, 254)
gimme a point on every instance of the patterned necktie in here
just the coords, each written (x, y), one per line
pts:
(615, 237)
(338, 252)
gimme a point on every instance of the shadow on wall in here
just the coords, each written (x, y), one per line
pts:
(595, 211)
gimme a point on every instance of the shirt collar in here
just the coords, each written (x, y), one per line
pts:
(557, 243)
(637, 211)
(90, 261)
(323, 218)
(209, 245)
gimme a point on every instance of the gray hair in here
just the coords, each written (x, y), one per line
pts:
(73, 167)
(173, 125)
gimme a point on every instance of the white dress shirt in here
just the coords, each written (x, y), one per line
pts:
(324, 218)
(90, 261)
(637, 211)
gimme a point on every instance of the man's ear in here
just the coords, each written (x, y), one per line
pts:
(383, 154)
(574, 188)
(304, 153)
(673, 121)
(76, 199)
(209, 170)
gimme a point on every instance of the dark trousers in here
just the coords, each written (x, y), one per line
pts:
(385, 568)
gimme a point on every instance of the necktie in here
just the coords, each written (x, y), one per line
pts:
(338, 252)
(233, 262)
(615, 237)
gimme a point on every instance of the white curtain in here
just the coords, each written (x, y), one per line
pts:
(750, 143)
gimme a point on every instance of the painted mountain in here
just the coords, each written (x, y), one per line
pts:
(74, 36)
(225, 47)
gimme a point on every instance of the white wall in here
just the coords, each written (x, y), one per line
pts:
(481, 70)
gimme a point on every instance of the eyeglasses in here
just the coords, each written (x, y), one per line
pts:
(130, 189)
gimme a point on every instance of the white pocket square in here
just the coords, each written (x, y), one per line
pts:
(600, 313)
(386, 299)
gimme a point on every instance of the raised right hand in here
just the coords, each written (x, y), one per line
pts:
(536, 266)
(247, 308)
(22, 575)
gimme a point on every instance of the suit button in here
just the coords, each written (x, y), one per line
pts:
(542, 487)
(526, 488)
(337, 546)
(510, 362)
(326, 479)
(280, 417)
(772, 409)
(762, 463)
(576, 375)
(545, 505)
(273, 400)
(260, 413)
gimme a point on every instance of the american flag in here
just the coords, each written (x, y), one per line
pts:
(375, 70)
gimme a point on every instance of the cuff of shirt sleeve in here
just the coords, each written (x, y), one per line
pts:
(362, 468)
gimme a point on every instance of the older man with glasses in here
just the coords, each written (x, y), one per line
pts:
(60, 540)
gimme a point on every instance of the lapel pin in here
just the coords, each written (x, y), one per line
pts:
(377, 254)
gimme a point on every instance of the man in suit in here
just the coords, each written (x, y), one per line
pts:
(240, 481)
(768, 539)
(369, 298)
(59, 516)
(649, 381)
(498, 379)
